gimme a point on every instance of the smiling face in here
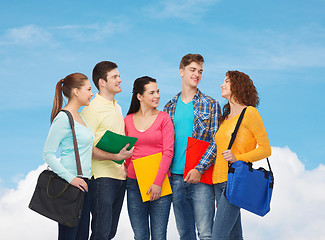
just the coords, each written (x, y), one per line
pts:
(150, 97)
(84, 93)
(225, 89)
(113, 82)
(191, 74)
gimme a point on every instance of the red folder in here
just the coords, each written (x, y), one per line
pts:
(194, 152)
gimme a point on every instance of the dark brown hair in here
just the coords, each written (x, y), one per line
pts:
(242, 90)
(65, 86)
(189, 58)
(138, 87)
(100, 71)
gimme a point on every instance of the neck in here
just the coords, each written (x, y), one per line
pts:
(73, 106)
(107, 95)
(188, 93)
(145, 111)
(235, 107)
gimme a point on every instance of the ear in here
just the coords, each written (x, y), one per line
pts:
(75, 92)
(139, 97)
(102, 82)
(181, 72)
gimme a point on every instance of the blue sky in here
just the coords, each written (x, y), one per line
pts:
(280, 44)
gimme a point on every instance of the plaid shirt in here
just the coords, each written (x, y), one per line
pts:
(206, 116)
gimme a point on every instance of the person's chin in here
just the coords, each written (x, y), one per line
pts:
(195, 83)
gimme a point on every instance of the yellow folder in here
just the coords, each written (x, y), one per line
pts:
(146, 169)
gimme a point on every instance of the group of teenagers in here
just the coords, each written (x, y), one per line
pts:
(200, 209)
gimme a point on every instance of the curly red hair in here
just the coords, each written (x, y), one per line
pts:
(243, 91)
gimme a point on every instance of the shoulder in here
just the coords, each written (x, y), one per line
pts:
(165, 120)
(90, 109)
(60, 123)
(60, 118)
(128, 117)
(252, 115)
(118, 107)
(164, 115)
(172, 101)
(252, 111)
(207, 99)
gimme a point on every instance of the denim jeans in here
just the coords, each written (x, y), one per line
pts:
(193, 206)
(107, 200)
(227, 223)
(81, 231)
(140, 212)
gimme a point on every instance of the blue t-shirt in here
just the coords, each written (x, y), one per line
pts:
(184, 121)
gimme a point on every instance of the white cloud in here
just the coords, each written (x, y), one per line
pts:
(33, 35)
(272, 49)
(189, 10)
(14, 211)
(30, 35)
(297, 207)
(92, 32)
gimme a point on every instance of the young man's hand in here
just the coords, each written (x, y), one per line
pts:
(193, 176)
(102, 155)
(124, 153)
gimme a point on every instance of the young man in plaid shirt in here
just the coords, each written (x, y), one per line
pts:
(196, 115)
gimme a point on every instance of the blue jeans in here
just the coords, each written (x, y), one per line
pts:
(227, 224)
(193, 206)
(81, 231)
(140, 212)
(107, 200)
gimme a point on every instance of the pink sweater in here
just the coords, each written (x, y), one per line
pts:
(159, 137)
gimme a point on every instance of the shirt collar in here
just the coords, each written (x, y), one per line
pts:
(105, 101)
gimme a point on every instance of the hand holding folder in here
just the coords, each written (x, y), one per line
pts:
(194, 152)
(113, 143)
(146, 169)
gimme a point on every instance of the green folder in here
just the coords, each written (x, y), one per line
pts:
(114, 142)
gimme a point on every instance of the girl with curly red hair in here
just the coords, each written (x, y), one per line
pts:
(241, 93)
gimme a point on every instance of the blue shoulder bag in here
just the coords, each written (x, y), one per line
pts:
(249, 188)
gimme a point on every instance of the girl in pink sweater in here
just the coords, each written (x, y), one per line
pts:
(155, 133)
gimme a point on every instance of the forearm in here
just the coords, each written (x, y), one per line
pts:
(168, 150)
(163, 169)
(208, 158)
(262, 151)
(99, 154)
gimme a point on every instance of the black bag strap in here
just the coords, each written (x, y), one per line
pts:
(75, 144)
(234, 134)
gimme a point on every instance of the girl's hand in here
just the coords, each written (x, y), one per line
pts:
(125, 169)
(155, 191)
(79, 183)
(229, 156)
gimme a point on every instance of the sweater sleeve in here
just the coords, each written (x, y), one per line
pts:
(167, 129)
(59, 130)
(255, 124)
